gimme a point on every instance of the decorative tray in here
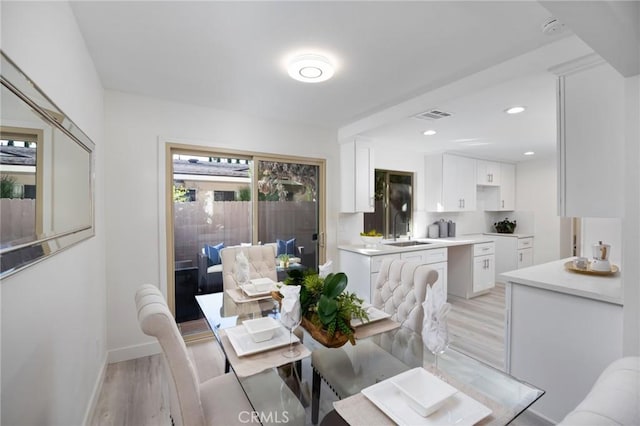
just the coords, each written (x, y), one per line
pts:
(571, 267)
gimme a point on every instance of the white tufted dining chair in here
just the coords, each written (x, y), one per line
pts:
(400, 289)
(191, 403)
(262, 263)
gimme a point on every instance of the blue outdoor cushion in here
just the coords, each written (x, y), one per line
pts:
(286, 247)
(213, 253)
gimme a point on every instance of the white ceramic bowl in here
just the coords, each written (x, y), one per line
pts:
(261, 329)
(371, 241)
(423, 391)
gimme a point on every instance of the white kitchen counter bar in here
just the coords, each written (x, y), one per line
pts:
(553, 276)
(385, 248)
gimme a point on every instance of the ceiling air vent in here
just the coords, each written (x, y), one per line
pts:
(434, 114)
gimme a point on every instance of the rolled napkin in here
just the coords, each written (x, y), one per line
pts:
(242, 268)
(435, 333)
(290, 315)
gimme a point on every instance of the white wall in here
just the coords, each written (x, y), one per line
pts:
(133, 126)
(53, 313)
(631, 220)
(536, 202)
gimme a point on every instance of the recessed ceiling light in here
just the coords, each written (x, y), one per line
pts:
(515, 110)
(429, 132)
(310, 68)
(529, 153)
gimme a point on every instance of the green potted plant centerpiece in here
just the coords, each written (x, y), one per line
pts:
(327, 309)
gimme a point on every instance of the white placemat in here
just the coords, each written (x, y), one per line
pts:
(253, 364)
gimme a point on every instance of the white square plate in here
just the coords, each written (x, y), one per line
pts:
(259, 287)
(459, 409)
(375, 314)
(244, 345)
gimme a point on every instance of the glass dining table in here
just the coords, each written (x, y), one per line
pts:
(279, 390)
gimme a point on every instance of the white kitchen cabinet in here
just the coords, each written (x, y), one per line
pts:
(525, 258)
(488, 173)
(513, 251)
(471, 269)
(450, 183)
(483, 273)
(357, 176)
(503, 196)
(591, 126)
(435, 258)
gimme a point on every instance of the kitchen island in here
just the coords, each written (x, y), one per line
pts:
(362, 263)
(563, 329)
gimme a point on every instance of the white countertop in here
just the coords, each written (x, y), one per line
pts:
(553, 276)
(498, 234)
(434, 243)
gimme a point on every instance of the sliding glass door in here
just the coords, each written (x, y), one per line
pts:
(221, 199)
(288, 208)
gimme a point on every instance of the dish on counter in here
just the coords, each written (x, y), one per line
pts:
(459, 409)
(244, 345)
(374, 315)
(423, 391)
(572, 267)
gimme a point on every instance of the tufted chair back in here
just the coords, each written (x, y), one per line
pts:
(262, 263)
(156, 320)
(400, 290)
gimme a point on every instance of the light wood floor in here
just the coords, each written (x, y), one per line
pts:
(477, 326)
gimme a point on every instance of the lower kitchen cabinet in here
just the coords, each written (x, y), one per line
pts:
(513, 251)
(472, 269)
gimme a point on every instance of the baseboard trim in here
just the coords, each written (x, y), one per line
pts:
(133, 352)
(95, 394)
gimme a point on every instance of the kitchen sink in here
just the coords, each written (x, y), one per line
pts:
(407, 243)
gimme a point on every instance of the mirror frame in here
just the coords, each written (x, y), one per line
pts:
(49, 242)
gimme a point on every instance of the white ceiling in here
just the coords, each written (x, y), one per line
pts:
(232, 56)
(479, 126)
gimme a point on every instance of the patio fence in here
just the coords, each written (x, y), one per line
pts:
(17, 219)
(199, 223)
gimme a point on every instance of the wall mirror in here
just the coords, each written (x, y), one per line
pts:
(46, 175)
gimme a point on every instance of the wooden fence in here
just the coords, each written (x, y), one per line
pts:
(199, 223)
(17, 219)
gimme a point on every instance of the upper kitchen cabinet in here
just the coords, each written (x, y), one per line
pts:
(357, 176)
(451, 183)
(502, 197)
(590, 138)
(488, 173)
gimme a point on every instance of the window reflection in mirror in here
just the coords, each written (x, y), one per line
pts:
(393, 204)
(46, 184)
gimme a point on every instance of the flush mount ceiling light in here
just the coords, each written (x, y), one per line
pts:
(310, 68)
(529, 153)
(515, 110)
(429, 132)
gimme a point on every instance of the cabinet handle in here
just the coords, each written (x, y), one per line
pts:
(503, 204)
(520, 257)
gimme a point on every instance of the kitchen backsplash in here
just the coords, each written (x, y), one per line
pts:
(476, 222)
